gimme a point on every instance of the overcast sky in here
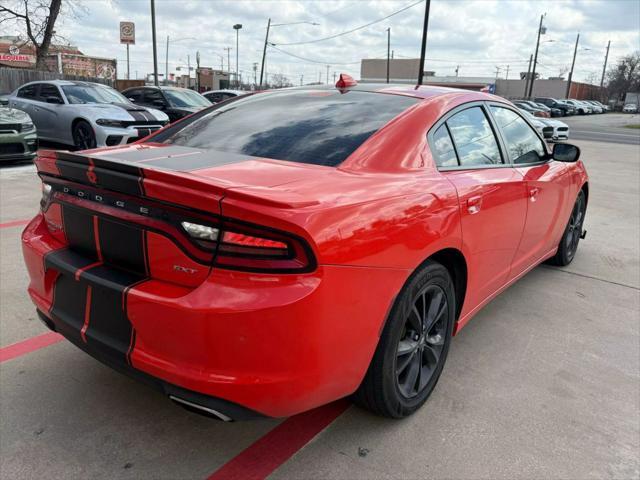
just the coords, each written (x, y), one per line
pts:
(476, 35)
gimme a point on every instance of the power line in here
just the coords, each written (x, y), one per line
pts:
(354, 29)
(323, 62)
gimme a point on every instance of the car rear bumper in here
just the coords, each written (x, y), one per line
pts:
(275, 345)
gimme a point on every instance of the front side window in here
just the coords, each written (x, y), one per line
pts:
(186, 98)
(134, 95)
(474, 139)
(523, 143)
(153, 97)
(321, 127)
(79, 94)
(445, 154)
(29, 91)
(47, 90)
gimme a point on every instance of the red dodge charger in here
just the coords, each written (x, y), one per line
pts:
(281, 250)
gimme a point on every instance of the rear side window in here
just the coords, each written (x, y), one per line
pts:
(474, 139)
(134, 95)
(522, 141)
(321, 127)
(30, 91)
(445, 154)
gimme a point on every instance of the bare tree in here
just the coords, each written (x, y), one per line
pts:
(37, 20)
(624, 77)
(279, 80)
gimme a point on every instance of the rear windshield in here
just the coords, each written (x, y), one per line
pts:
(322, 127)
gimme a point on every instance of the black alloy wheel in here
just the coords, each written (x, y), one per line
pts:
(413, 346)
(573, 232)
(84, 138)
(420, 346)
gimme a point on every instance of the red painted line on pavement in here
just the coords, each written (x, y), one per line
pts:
(29, 345)
(14, 223)
(267, 453)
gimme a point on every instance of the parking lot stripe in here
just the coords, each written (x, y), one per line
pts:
(14, 223)
(266, 454)
(29, 345)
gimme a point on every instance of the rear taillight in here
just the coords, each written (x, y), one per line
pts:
(251, 248)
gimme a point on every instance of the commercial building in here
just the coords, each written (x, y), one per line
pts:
(405, 70)
(64, 59)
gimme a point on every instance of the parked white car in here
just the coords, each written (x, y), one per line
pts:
(552, 130)
(85, 114)
(630, 108)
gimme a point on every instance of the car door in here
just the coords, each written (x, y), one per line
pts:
(49, 114)
(25, 100)
(546, 184)
(491, 195)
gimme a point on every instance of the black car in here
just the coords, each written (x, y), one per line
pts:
(553, 103)
(175, 102)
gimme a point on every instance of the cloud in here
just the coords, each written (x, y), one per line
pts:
(478, 35)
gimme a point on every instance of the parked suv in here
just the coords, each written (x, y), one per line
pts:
(553, 103)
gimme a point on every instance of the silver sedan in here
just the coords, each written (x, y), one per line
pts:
(84, 114)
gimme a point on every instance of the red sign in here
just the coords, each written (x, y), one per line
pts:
(15, 58)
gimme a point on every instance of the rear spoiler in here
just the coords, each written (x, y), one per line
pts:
(105, 168)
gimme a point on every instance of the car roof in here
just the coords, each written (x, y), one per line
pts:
(227, 90)
(68, 82)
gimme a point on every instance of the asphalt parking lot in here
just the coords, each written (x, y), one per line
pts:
(543, 383)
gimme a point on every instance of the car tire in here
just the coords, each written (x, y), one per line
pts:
(407, 363)
(572, 233)
(84, 138)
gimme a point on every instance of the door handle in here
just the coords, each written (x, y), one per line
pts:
(474, 203)
(533, 193)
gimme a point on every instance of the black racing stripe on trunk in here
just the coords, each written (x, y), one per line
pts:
(78, 228)
(67, 261)
(122, 245)
(113, 175)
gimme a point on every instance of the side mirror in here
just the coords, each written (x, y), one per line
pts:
(54, 100)
(565, 152)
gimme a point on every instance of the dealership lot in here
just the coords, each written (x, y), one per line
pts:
(543, 383)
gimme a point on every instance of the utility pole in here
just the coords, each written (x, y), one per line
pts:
(391, 54)
(507, 75)
(237, 28)
(573, 63)
(328, 67)
(166, 63)
(497, 71)
(188, 71)
(228, 49)
(334, 78)
(255, 72)
(198, 71)
(319, 76)
(153, 35)
(301, 79)
(423, 49)
(535, 58)
(388, 50)
(604, 67)
(526, 79)
(264, 51)
(457, 70)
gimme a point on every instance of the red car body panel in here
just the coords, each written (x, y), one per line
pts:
(280, 343)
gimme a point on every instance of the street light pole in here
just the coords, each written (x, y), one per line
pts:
(573, 63)
(526, 80)
(388, 50)
(153, 35)
(237, 28)
(328, 67)
(423, 49)
(535, 58)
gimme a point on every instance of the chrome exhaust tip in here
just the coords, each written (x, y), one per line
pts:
(200, 408)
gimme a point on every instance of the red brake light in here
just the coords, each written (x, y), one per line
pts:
(345, 81)
(252, 248)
